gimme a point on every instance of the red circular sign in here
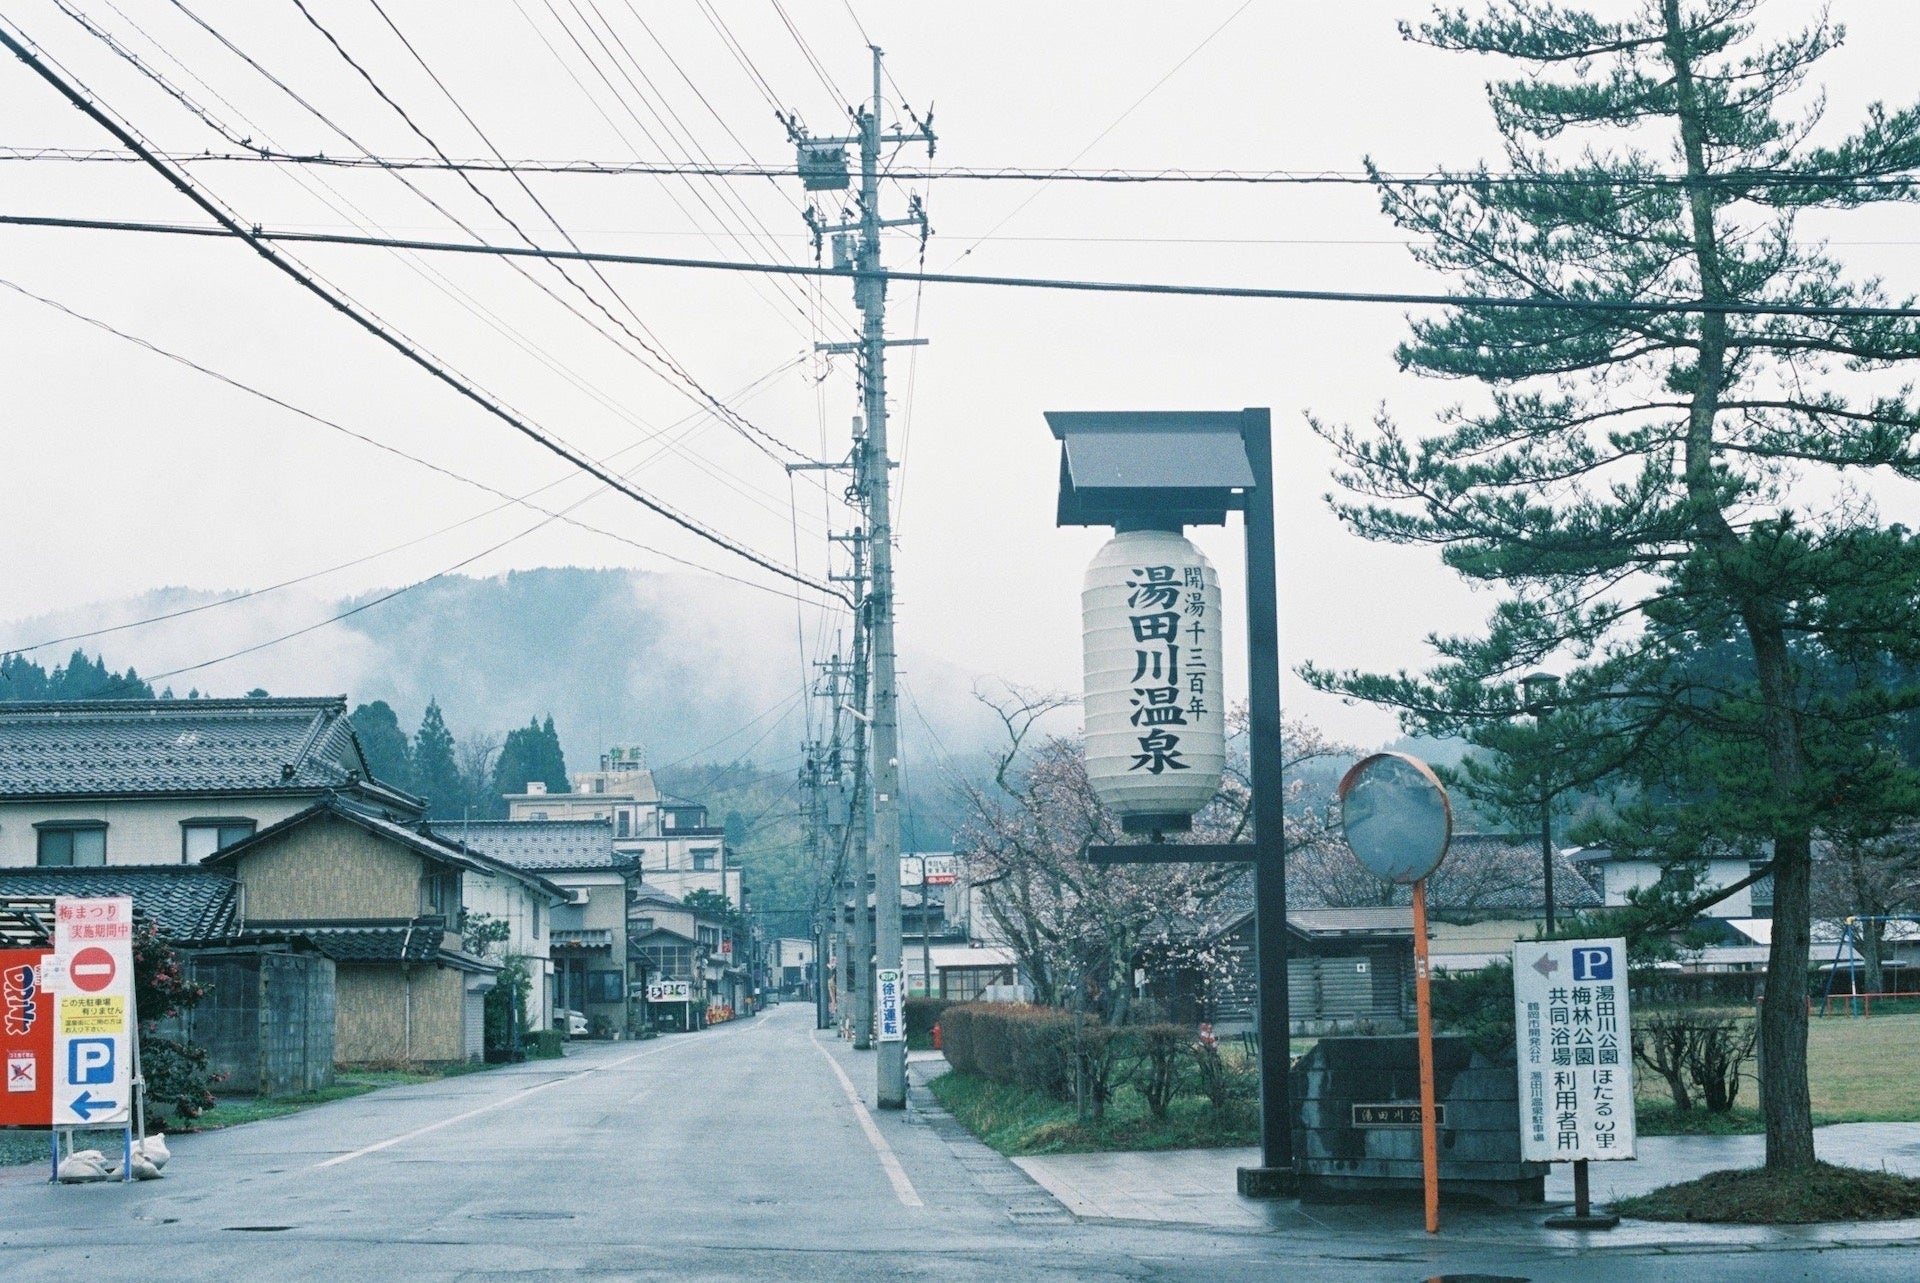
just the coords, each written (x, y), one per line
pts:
(91, 969)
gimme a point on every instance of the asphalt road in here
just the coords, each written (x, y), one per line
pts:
(735, 1154)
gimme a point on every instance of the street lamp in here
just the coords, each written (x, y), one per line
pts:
(1539, 690)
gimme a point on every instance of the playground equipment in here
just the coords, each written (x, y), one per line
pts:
(1847, 951)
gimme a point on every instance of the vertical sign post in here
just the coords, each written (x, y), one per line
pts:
(893, 1026)
(1572, 1021)
(95, 1063)
(1398, 821)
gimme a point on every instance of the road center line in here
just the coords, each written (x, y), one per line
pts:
(902, 1187)
(502, 1103)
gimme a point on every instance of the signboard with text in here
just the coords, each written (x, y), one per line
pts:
(669, 991)
(1573, 1028)
(91, 986)
(888, 1013)
(26, 1039)
(929, 870)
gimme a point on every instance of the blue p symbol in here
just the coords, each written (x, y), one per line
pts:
(89, 1061)
(1593, 964)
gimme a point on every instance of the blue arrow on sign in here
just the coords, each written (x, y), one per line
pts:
(85, 1105)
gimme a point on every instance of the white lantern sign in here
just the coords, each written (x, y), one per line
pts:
(1156, 722)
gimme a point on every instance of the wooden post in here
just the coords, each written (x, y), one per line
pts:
(1423, 1002)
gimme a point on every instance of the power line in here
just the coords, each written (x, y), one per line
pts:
(374, 327)
(1151, 91)
(1004, 173)
(364, 223)
(1650, 307)
(511, 500)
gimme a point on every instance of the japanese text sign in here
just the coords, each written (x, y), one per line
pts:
(1574, 1032)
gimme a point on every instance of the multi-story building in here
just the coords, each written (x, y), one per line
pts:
(668, 839)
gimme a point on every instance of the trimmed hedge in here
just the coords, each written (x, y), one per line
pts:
(1038, 1050)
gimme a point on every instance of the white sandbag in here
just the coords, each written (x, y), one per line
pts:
(154, 1148)
(84, 1166)
(144, 1168)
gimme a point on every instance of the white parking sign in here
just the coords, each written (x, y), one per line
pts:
(92, 1065)
(1574, 1031)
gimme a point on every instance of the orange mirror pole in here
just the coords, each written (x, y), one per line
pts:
(1423, 1003)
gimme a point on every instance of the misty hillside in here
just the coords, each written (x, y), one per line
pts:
(684, 667)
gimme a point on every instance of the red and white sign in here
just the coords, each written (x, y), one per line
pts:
(92, 970)
(26, 1039)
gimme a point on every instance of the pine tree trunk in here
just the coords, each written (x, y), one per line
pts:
(1784, 1101)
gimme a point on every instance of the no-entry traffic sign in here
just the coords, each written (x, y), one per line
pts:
(92, 969)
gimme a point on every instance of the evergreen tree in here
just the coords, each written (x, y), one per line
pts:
(1647, 485)
(384, 744)
(436, 774)
(531, 754)
(83, 677)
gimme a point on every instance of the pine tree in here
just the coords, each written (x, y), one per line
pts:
(436, 774)
(384, 744)
(531, 754)
(1645, 486)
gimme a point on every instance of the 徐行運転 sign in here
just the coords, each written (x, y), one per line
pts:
(1574, 1033)
(887, 1009)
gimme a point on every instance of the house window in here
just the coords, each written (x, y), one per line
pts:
(201, 838)
(537, 815)
(668, 961)
(440, 894)
(538, 913)
(971, 982)
(599, 786)
(710, 937)
(640, 926)
(72, 845)
(605, 986)
(705, 858)
(623, 824)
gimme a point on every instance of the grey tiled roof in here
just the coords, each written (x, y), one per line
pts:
(375, 944)
(542, 844)
(172, 746)
(187, 903)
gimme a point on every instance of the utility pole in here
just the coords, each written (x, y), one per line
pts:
(822, 164)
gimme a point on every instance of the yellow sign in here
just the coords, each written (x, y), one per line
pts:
(106, 1014)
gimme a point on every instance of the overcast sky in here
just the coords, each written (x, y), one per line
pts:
(129, 472)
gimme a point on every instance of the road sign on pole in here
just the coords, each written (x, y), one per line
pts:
(92, 1066)
(893, 1025)
(1572, 1024)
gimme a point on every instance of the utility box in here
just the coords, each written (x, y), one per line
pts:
(1356, 1130)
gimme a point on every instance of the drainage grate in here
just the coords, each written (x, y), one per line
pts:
(523, 1216)
(256, 1229)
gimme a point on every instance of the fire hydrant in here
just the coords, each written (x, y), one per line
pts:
(936, 1037)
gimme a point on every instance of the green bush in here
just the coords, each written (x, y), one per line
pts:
(1161, 1052)
(546, 1044)
(924, 1013)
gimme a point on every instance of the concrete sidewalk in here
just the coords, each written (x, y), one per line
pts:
(1196, 1187)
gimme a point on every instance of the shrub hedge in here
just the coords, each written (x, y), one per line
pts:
(1038, 1049)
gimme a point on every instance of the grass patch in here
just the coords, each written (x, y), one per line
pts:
(1847, 1075)
(1019, 1122)
(1760, 1197)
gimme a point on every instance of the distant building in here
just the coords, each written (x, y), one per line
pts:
(118, 782)
(668, 839)
(1614, 874)
(588, 938)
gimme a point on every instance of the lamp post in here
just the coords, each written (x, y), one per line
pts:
(1152, 472)
(1539, 691)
